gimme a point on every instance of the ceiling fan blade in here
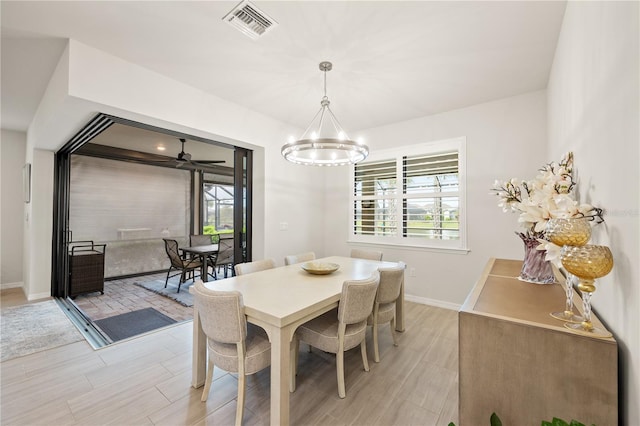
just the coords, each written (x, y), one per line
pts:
(208, 161)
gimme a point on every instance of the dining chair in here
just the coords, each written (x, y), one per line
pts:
(255, 266)
(366, 254)
(299, 258)
(225, 254)
(384, 306)
(184, 266)
(233, 344)
(205, 240)
(200, 240)
(340, 329)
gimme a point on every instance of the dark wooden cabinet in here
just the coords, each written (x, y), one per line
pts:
(86, 268)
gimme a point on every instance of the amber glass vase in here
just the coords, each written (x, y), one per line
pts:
(587, 262)
(570, 232)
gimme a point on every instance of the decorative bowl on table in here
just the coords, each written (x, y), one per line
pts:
(320, 268)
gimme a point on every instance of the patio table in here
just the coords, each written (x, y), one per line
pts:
(203, 252)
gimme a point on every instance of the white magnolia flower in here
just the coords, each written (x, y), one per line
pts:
(547, 196)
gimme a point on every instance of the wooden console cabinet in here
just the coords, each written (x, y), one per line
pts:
(519, 362)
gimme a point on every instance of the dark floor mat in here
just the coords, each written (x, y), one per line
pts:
(133, 323)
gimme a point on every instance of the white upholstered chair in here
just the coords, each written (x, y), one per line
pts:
(340, 329)
(366, 254)
(232, 344)
(384, 306)
(255, 266)
(299, 258)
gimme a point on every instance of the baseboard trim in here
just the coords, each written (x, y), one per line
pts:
(432, 302)
(38, 296)
(4, 286)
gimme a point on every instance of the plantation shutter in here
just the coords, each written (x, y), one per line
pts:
(431, 196)
(375, 193)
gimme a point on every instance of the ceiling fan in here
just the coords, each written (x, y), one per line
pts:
(185, 158)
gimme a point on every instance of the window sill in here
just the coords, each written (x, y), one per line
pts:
(448, 250)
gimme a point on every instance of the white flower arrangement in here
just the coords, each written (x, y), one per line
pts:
(548, 195)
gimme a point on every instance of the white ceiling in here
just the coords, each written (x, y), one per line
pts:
(393, 60)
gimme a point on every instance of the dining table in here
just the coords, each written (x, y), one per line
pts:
(203, 252)
(279, 300)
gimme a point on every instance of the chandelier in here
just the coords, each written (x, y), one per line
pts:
(324, 143)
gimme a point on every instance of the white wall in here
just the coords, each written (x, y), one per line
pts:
(594, 98)
(12, 157)
(505, 139)
(88, 81)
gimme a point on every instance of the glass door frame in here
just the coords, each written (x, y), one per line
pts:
(61, 233)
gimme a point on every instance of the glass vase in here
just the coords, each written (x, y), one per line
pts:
(587, 262)
(535, 269)
(575, 231)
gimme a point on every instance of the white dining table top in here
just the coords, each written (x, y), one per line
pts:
(283, 295)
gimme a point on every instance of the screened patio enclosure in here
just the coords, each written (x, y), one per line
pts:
(217, 208)
(128, 185)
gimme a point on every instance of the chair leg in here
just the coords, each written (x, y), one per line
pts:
(376, 351)
(393, 330)
(167, 279)
(241, 381)
(182, 279)
(363, 350)
(240, 405)
(340, 371)
(208, 380)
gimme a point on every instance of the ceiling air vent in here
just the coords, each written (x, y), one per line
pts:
(250, 20)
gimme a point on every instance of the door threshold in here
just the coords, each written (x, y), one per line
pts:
(86, 327)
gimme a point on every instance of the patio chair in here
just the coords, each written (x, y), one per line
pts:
(178, 263)
(225, 254)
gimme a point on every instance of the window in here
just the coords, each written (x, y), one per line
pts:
(412, 196)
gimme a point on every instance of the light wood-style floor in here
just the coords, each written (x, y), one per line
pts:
(146, 381)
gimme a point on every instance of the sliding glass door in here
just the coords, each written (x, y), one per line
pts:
(226, 204)
(218, 196)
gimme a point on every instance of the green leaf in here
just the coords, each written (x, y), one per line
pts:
(451, 424)
(495, 420)
(558, 422)
(576, 423)
(546, 423)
